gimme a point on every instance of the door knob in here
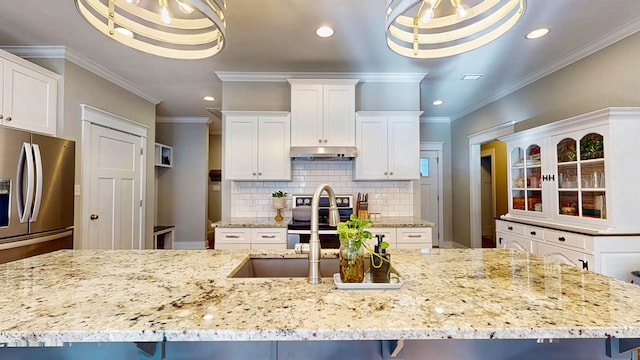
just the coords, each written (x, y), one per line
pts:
(93, 217)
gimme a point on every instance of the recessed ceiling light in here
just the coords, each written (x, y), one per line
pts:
(471, 77)
(537, 33)
(437, 102)
(324, 31)
(125, 32)
(209, 98)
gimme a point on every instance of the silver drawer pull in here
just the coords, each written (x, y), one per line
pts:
(232, 236)
(267, 236)
(414, 236)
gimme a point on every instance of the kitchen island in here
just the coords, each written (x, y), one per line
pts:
(154, 296)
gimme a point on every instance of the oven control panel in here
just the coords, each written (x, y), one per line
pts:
(343, 201)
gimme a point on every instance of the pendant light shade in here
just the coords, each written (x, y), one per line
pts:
(179, 29)
(441, 28)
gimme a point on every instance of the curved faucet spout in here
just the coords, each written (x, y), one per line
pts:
(314, 240)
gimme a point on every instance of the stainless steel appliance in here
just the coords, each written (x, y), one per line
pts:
(36, 194)
(300, 231)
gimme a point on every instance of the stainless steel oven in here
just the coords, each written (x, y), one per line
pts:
(300, 231)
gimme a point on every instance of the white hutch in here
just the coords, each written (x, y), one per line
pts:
(573, 191)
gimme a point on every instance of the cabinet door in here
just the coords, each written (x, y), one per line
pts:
(29, 99)
(570, 257)
(339, 115)
(371, 141)
(510, 241)
(580, 161)
(404, 148)
(240, 149)
(306, 115)
(526, 177)
(274, 143)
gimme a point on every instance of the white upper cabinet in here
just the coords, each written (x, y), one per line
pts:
(322, 112)
(256, 145)
(578, 172)
(388, 144)
(28, 95)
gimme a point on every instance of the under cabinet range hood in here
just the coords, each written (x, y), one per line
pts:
(323, 152)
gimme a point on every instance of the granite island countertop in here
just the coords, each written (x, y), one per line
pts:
(185, 295)
(269, 222)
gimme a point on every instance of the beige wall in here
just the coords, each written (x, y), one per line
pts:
(182, 189)
(80, 86)
(609, 77)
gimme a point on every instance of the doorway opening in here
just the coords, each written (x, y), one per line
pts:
(488, 196)
(487, 140)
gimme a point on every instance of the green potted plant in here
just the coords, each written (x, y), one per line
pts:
(353, 242)
(279, 202)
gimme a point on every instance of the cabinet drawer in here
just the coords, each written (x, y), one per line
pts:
(275, 236)
(564, 238)
(233, 235)
(510, 227)
(389, 236)
(534, 232)
(413, 236)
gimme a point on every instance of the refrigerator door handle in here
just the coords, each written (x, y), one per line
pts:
(38, 181)
(24, 202)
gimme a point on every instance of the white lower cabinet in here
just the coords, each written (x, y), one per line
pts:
(404, 237)
(251, 238)
(615, 255)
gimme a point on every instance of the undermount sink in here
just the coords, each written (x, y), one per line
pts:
(261, 267)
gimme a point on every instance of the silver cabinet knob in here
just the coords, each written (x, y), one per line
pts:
(391, 173)
(93, 217)
(8, 118)
(254, 174)
(320, 141)
(1, 116)
(259, 174)
(325, 141)
(386, 173)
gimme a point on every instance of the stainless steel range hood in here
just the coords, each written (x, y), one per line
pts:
(323, 152)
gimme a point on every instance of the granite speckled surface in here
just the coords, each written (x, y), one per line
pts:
(262, 222)
(185, 295)
(252, 222)
(401, 221)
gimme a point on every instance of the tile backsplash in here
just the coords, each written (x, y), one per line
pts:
(253, 198)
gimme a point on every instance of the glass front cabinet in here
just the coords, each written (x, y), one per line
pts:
(581, 172)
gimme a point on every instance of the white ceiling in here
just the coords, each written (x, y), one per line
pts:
(278, 36)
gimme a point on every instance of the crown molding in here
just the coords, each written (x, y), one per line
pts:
(62, 52)
(594, 46)
(435, 119)
(183, 120)
(283, 77)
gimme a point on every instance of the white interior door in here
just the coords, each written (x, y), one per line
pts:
(114, 193)
(429, 191)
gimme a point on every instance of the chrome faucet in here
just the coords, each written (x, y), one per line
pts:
(314, 240)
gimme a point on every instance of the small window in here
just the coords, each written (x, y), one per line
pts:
(424, 167)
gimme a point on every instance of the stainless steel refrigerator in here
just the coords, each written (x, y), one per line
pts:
(36, 193)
